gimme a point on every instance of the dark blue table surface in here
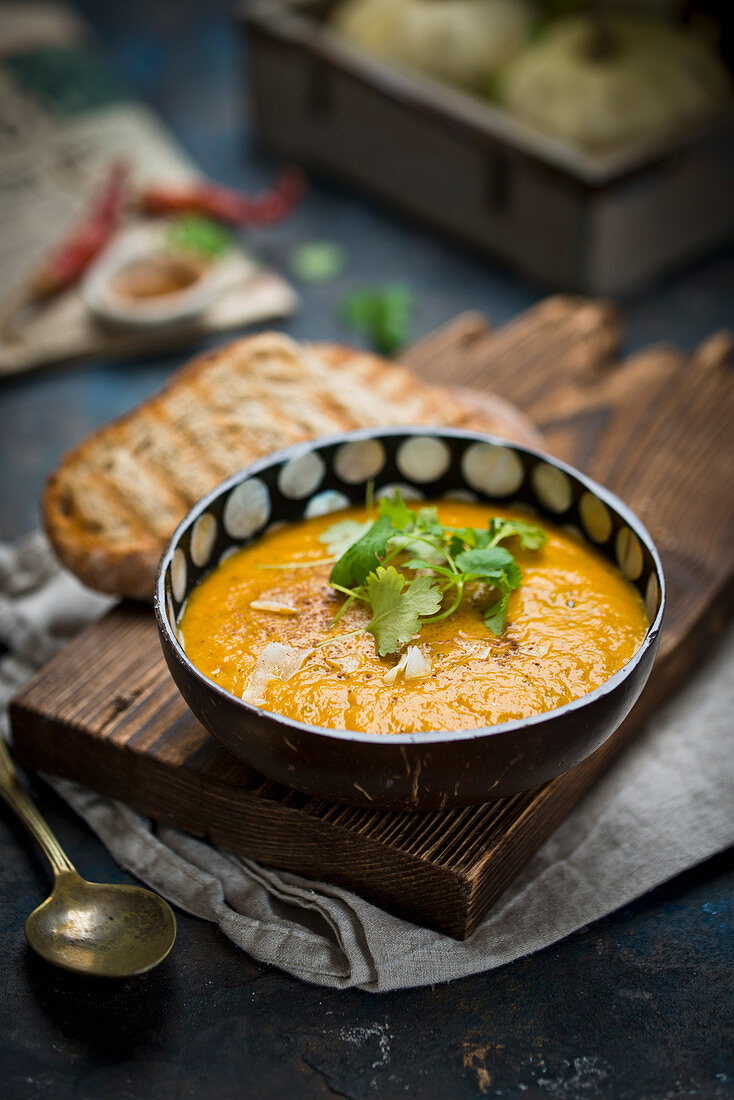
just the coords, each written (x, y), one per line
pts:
(637, 1005)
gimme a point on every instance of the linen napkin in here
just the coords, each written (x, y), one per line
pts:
(665, 805)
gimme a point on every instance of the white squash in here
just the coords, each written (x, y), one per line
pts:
(461, 42)
(599, 84)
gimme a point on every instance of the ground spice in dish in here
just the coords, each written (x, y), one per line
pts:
(155, 277)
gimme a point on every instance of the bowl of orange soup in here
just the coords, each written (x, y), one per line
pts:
(410, 618)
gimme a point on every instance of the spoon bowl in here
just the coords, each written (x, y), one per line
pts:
(111, 931)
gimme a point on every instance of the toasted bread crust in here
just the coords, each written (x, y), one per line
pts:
(112, 503)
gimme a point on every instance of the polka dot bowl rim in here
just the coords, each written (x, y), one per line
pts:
(443, 768)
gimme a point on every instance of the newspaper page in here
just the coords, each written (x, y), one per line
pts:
(64, 118)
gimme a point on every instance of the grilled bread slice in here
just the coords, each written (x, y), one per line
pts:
(113, 502)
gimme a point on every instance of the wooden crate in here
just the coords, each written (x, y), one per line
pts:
(594, 224)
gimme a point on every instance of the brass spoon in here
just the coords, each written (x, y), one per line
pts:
(110, 931)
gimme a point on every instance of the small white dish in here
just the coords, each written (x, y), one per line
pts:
(127, 286)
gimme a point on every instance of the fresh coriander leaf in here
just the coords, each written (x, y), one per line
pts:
(411, 544)
(427, 537)
(493, 564)
(363, 556)
(199, 236)
(340, 536)
(398, 512)
(317, 261)
(472, 537)
(495, 617)
(412, 524)
(447, 559)
(382, 314)
(394, 315)
(513, 574)
(397, 609)
(530, 535)
(423, 563)
(428, 523)
(457, 545)
(464, 536)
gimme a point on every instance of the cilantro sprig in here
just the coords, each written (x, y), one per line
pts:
(398, 606)
(201, 237)
(441, 563)
(383, 314)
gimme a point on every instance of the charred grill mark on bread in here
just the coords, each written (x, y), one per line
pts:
(114, 500)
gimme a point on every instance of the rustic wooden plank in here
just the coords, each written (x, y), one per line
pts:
(656, 429)
(455, 338)
(562, 338)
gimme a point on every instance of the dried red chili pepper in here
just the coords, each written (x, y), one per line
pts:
(226, 205)
(68, 262)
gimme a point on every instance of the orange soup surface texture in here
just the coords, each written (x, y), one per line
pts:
(573, 622)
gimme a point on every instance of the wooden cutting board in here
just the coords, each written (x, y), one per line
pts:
(656, 429)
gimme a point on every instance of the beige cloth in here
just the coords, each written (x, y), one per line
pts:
(665, 805)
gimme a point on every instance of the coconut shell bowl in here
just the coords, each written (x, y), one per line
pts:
(408, 771)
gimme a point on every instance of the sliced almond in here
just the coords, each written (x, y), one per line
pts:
(275, 606)
(277, 661)
(412, 666)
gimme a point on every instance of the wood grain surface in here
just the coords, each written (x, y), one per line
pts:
(656, 429)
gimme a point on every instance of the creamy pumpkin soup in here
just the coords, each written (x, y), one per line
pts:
(452, 616)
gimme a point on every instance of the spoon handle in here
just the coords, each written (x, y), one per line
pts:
(18, 799)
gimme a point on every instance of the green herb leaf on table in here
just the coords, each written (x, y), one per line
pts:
(397, 607)
(317, 261)
(382, 314)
